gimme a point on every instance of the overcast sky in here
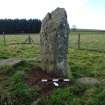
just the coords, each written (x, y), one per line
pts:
(82, 13)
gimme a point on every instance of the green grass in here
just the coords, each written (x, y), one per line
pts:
(20, 38)
(82, 62)
(13, 88)
(19, 51)
(88, 40)
(87, 63)
(76, 96)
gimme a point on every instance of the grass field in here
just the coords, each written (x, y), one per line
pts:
(88, 40)
(13, 88)
(18, 38)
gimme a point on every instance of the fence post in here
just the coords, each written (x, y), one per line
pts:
(78, 44)
(4, 39)
(29, 39)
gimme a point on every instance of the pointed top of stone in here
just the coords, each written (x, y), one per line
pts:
(56, 17)
(59, 12)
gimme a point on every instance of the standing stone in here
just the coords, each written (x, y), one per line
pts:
(54, 42)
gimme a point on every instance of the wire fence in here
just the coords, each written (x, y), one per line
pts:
(19, 39)
(87, 41)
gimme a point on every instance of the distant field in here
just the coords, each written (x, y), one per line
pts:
(11, 50)
(88, 40)
(18, 38)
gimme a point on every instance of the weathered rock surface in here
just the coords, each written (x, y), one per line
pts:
(54, 42)
(10, 62)
(87, 81)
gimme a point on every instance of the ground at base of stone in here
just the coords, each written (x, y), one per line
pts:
(35, 77)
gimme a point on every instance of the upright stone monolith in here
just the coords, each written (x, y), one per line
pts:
(54, 42)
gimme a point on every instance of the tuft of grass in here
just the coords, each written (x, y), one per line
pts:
(13, 89)
(19, 51)
(87, 63)
(74, 95)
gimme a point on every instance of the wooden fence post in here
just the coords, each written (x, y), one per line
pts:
(4, 38)
(29, 39)
(78, 44)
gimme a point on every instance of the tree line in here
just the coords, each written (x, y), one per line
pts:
(14, 26)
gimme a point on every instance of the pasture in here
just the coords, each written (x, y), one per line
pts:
(88, 40)
(94, 41)
(83, 63)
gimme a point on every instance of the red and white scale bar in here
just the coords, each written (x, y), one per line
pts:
(55, 81)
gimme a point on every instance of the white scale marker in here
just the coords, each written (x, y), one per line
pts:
(44, 80)
(55, 80)
(66, 80)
